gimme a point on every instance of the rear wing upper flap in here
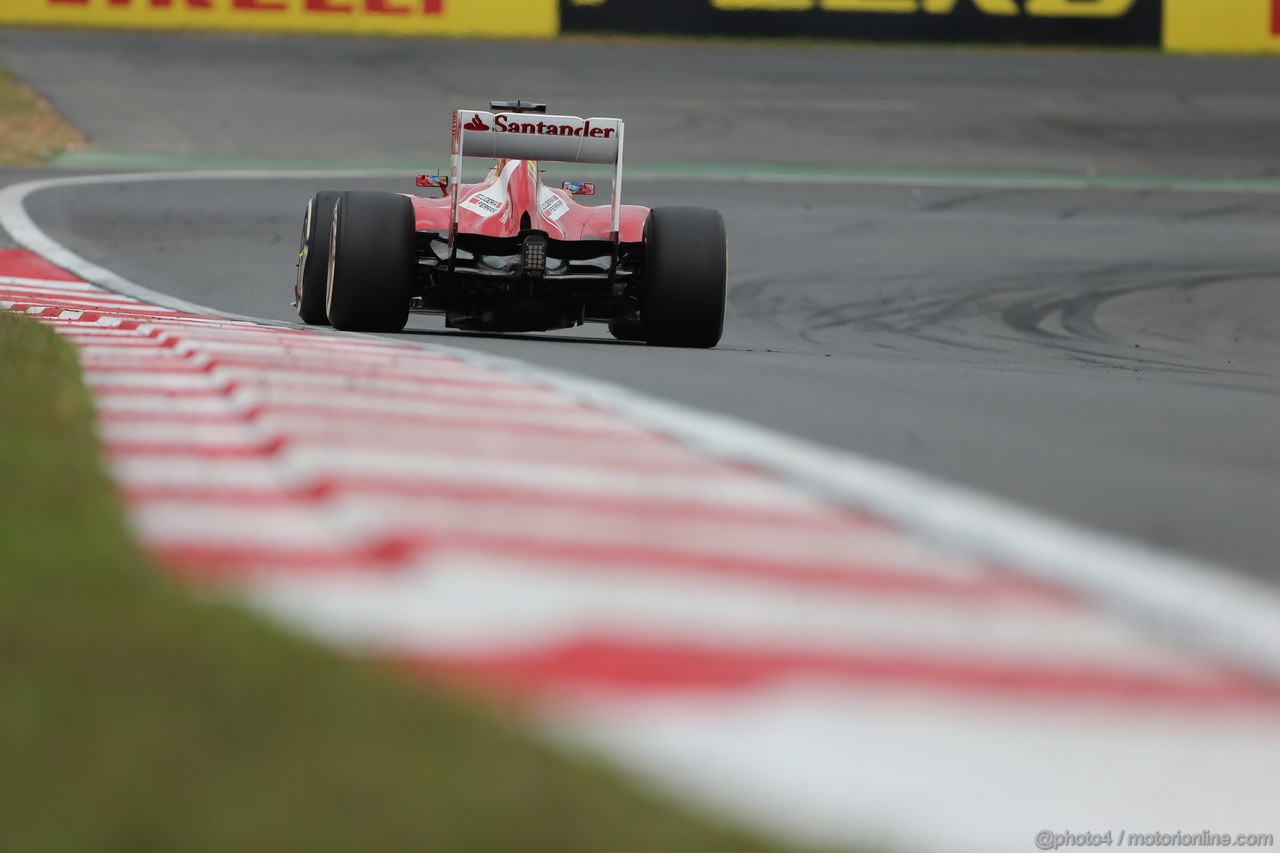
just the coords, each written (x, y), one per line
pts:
(536, 136)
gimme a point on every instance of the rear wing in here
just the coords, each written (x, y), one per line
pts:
(536, 136)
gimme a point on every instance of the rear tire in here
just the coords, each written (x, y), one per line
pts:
(686, 275)
(371, 262)
(310, 289)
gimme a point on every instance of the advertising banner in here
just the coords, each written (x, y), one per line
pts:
(489, 18)
(1100, 22)
(1222, 26)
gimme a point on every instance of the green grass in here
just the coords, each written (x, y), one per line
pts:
(31, 131)
(137, 717)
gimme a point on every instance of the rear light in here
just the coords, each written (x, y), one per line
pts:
(533, 255)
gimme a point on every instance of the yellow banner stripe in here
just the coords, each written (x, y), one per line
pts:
(1221, 26)
(488, 18)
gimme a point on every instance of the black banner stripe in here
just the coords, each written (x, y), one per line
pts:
(965, 23)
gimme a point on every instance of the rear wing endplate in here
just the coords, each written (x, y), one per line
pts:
(536, 136)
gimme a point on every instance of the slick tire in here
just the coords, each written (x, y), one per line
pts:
(686, 276)
(310, 289)
(371, 262)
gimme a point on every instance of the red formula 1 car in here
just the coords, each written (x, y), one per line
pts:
(511, 254)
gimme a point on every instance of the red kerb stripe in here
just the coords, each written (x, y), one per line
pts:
(229, 562)
(20, 263)
(627, 668)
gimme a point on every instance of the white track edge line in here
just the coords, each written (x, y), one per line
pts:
(1184, 600)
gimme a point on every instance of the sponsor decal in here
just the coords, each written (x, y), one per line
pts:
(551, 205)
(341, 7)
(484, 203)
(517, 123)
(490, 200)
(494, 18)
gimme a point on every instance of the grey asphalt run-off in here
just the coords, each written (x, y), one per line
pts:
(1108, 356)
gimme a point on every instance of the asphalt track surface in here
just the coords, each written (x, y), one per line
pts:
(1106, 356)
